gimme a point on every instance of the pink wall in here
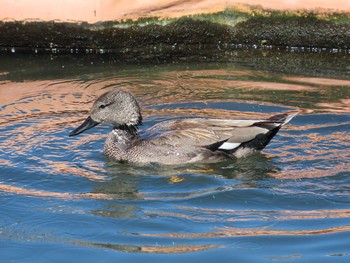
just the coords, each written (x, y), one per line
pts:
(103, 10)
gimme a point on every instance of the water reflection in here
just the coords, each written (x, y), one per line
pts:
(319, 81)
(234, 232)
(175, 249)
(296, 187)
(121, 181)
(44, 194)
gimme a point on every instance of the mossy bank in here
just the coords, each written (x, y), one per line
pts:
(186, 37)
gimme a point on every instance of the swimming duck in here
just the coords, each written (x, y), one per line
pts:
(178, 141)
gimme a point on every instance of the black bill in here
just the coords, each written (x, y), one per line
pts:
(87, 124)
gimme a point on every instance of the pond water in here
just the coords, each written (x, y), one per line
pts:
(62, 200)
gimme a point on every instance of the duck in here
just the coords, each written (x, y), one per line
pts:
(176, 141)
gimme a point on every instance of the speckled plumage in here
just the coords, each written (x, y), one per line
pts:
(177, 141)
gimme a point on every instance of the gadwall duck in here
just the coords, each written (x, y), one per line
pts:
(178, 141)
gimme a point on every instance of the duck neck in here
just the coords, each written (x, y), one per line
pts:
(127, 130)
(119, 141)
(124, 134)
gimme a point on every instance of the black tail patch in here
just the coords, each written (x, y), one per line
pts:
(215, 146)
(260, 141)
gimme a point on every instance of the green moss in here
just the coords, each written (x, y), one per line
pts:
(202, 35)
(229, 17)
(232, 16)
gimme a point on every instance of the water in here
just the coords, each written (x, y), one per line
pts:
(62, 200)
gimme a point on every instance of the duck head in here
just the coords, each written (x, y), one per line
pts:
(117, 107)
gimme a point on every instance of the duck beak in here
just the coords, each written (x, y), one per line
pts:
(87, 124)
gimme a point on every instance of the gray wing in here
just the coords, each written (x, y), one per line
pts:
(213, 134)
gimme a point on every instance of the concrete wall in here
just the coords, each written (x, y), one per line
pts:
(107, 10)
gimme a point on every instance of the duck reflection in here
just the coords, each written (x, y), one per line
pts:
(146, 183)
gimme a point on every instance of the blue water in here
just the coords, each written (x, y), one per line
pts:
(63, 201)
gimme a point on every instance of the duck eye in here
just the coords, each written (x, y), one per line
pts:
(102, 106)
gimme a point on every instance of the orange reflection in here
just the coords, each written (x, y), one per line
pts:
(312, 172)
(316, 148)
(66, 168)
(235, 232)
(41, 193)
(231, 215)
(320, 81)
(343, 106)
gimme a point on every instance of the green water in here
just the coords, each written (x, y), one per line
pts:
(63, 201)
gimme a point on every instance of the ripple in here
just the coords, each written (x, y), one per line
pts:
(227, 215)
(174, 249)
(236, 232)
(17, 252)
(71, 197)
(41, 193)
(320, 81)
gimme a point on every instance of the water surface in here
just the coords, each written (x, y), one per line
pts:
(62, 199)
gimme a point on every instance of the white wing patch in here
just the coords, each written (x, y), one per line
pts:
(229, 146)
